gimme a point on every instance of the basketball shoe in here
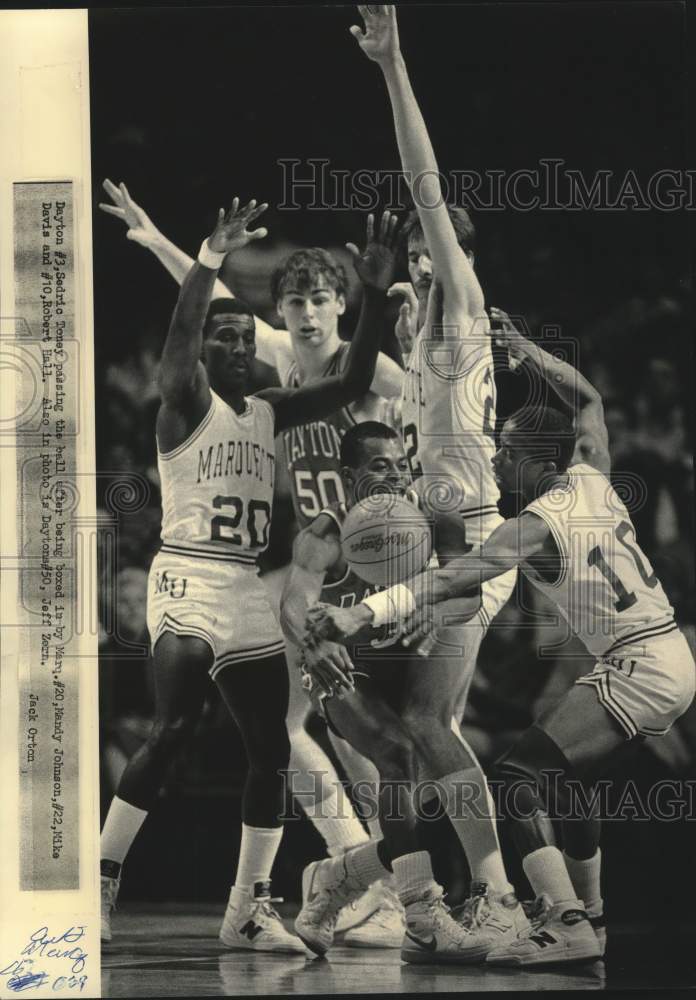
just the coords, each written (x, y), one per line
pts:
(492, 918)
(384, 927)
(537, 909)
(432, 934)
(109, 892)
(562, 933)
(252, 924)
(327, 887)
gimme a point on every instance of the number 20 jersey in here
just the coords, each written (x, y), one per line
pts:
(217, 486)
(605, 588)
(448, 426)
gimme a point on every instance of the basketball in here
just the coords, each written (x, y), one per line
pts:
(385, 539)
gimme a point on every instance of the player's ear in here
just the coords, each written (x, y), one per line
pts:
(340, 304)
(279, 308)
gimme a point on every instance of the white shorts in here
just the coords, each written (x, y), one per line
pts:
(223, 603)
(646, 686)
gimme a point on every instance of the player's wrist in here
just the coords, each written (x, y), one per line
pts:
(390, 605)
(210, 258)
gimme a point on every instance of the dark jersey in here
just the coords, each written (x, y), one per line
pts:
(312, 452)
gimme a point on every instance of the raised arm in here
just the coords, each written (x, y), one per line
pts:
(375, 268)
(380, 42)
(569, 385)
(315, 550)
(183, 381)
(142, 230)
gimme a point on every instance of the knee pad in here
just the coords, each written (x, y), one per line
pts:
(538, 771)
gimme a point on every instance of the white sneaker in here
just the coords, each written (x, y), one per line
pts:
(599, 926)
(358, 911)
(491, 918)
(109, 892)
(562, 934)
(385, 927)
(326, 889)
(432, 935)
(252, 924)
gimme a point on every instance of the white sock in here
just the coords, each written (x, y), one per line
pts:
(256, 855)
(363, 864)
(121, 826)
(585, 876)
(413, 874)
(335, 820)
(471, 811)
(546, 871)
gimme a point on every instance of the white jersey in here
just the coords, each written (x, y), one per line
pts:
(448, 427)
(217, 487)
(604, 585)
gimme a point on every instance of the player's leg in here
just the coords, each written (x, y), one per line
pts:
(256, 694)
(314, 781)
(181, 665)
(374, 729)
(540, 775)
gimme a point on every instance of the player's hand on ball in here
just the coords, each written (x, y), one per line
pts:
(324, 621)
(380, 39)
(376, 263)
(231, 232)
(406, 328)
(141, 228)
(329, 666)
(418, 625)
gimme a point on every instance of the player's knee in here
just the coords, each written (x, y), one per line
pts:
(172, 732)
(271, 755)
(394, 756)
(534, 773)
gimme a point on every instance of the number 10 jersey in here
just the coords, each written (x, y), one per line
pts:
(217, 486)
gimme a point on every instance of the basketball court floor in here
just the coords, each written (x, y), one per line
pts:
(172, 951)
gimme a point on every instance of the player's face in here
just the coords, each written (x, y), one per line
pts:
(229, 349)
(514, 468)
(311, 314)
(384, 469)
(420, 266)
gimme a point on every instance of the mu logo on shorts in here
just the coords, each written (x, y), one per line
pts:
(175, 586)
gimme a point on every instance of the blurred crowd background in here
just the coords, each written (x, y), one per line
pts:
(193, 122)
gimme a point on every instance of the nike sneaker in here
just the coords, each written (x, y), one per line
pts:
(326, 889)
(432, 934)
(384, 927)
(491, 918)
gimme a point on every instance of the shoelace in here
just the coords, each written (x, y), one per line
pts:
(473, 912)
(536, 911)
(265, 903)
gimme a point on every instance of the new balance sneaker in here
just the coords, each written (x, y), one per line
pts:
(252, 924)
(491, 919)
(384, 927)
(326, 889)
(432, 934)
(109, 892)
(537, 910)
(562, 934)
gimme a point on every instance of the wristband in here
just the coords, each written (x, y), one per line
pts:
(390, 605)
(210, 258)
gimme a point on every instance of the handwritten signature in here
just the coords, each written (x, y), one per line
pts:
(21, 974)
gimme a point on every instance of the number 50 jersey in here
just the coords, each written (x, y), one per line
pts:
(217, 487)
(604, 585)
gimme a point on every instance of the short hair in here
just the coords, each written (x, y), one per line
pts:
(303, 267)
(355, 437)
(460, 219)
(237, 307)
(538, 427)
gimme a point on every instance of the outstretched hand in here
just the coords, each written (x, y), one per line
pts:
(380, 39)
(231, 231)
(376, 264)
(505, 333)
(141, 229)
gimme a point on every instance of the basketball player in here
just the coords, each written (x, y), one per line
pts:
(575, 542)
(368, 714)
(208, 611)
(309, 291)
(448, 422)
